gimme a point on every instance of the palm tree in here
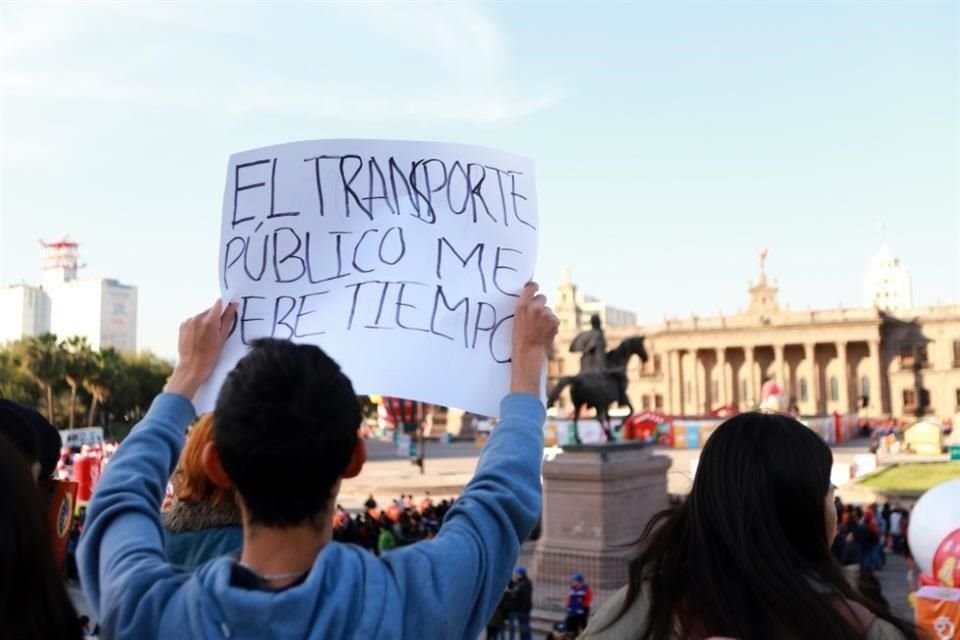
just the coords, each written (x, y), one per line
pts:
(44, 359)
(16, 384)
(79, 365)
(106, 374)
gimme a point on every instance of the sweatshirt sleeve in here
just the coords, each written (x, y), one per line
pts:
(121, 555)
(452, 584)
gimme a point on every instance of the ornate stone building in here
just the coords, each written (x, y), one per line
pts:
(899, 363)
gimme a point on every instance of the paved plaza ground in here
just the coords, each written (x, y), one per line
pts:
(450, 466)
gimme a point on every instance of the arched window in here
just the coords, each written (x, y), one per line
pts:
(834, 389)
(803, 389)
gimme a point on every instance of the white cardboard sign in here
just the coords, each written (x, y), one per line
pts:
(402, 260)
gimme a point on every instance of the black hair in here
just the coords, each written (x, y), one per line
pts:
(47, 442)
(18, 431)
(746, 555)
(33, 600)
(285, 427)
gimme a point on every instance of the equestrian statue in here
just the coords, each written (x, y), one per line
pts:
(603, 376)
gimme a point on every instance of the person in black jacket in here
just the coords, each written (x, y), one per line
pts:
(522, 602)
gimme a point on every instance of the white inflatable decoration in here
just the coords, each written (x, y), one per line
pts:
(936, 515)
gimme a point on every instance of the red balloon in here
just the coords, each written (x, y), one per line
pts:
(946, 561)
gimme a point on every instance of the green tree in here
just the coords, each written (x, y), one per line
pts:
(80, 363)
(145, 376)
(16, 384)
(107, 374)
(44, 360)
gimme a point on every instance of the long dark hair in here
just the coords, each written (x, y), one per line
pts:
(33, 600)
(746, 555)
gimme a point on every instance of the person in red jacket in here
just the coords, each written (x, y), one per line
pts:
(579, 597)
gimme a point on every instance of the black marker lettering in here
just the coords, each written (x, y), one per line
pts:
(401, 246)
(503, 195)
(316, 175)
(457, 166)
(477, 249)
(273, 193)
(476, 322)
(237, 188)
(475, 191)
(348, 191)
(401, 305)
(282, 321)
(382, 181)
(244, 304)
(421, 195)
(340, 272)
(291, 255)
(263, 258)
(356, 250)
(497, 267)
(516, 196)
(394, 170)
(227, 263)
(439, 297)
(302, 314)
(493, 337)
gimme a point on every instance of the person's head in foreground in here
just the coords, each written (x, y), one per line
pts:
(285, 433)
(33, 599)
(747, 555)
(33, 435)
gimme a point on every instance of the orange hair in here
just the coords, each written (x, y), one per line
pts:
(190, 481)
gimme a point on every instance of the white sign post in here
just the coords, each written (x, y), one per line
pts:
(402, 260)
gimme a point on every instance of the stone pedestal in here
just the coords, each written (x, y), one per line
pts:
(597, 501)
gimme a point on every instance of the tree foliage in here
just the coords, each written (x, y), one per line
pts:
(65, 379)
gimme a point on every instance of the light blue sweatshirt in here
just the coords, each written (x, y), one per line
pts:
(444, 588)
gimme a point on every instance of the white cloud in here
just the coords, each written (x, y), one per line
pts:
(364, 62)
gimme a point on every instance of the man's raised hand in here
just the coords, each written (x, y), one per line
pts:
(534, 328)
(201, 341)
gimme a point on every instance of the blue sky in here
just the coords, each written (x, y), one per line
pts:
(672, 141)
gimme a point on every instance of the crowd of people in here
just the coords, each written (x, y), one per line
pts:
(400, 524)
(747, 555)
(865, 535)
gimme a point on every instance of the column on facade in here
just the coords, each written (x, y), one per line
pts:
(676, 382)
(748, 364)
(875, 375)
(695, 374)
(779, 368)
(810, 365)
(721, 399)
(844, 381)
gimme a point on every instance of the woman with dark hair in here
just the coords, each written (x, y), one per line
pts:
(747, 555)
(33, 600)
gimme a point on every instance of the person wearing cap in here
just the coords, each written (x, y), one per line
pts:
(579, 597)
(36, 439)
(521, 592)
(559, 632)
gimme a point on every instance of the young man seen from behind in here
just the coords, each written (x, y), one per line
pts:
(285, 436)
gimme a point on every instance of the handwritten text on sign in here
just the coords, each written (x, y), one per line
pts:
(402, 260)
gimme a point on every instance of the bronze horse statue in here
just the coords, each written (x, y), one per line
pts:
(600, 389)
